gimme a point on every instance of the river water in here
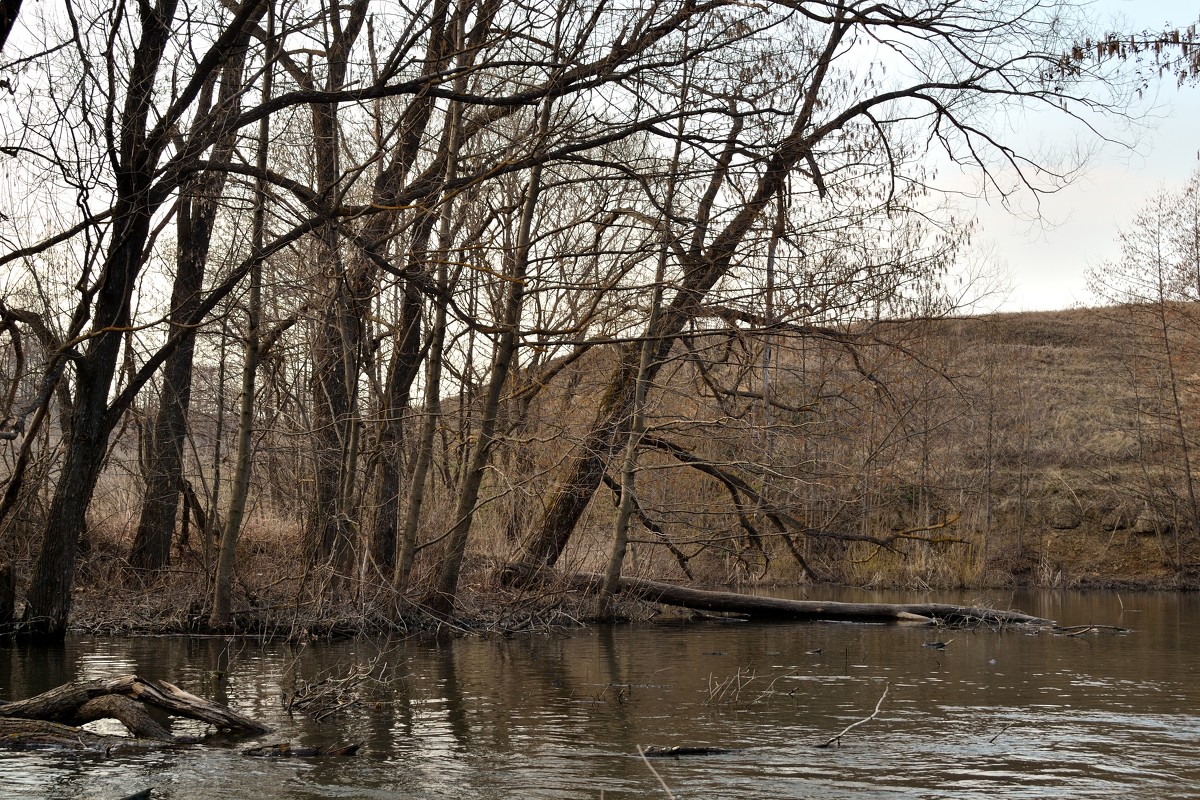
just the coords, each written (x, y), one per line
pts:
(992, 714)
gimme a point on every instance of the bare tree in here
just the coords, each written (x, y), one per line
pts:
(222, 607)
(139, 140)
(196, 217)
(950, 60)
(1156, 281)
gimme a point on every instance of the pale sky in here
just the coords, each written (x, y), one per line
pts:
(1046, 265)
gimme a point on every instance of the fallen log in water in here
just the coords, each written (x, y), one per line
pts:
(51, 719)
(686, 750)
(287, 750)
(125, 698)
(36, 734)
(777, 608)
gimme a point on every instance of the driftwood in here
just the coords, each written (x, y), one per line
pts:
(51, 719)
(36, 734)
(838, 737)
(777, 608)
(287, 750)
(1081, 630)
(685, 750)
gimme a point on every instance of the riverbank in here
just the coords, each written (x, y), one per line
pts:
(275, 602)
(1025, 451)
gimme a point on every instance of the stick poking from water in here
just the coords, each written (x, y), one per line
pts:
(653, 771)
(875, 713)
(1000, 732)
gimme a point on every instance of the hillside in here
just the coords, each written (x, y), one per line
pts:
(1017, 449)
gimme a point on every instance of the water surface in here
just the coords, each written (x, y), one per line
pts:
(993, 714)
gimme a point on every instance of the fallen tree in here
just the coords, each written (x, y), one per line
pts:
(758, 607)
(778, 608)
(52, 719)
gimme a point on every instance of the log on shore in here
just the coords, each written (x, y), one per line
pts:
(777, 608)
(52, 718)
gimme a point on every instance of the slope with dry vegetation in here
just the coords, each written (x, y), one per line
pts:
(1012, 455)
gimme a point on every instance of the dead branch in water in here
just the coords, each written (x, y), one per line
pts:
(851, 726)
(1081, 630)
(287, 750)
(654, 772)
(778, 608)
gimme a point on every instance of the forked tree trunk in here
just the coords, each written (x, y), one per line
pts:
(195, 220)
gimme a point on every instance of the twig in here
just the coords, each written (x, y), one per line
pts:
(653, 771)
(853, 725)
(1001, 731)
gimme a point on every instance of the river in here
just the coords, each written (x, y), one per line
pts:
(990, 714)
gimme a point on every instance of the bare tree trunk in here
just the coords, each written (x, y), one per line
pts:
(222, 608)
(612, 575)
(7, 597)
(401, 374)
(336, 350)
(507, 342)
(195, 220)
(406, 541)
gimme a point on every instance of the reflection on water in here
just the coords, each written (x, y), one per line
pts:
(992, 714)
